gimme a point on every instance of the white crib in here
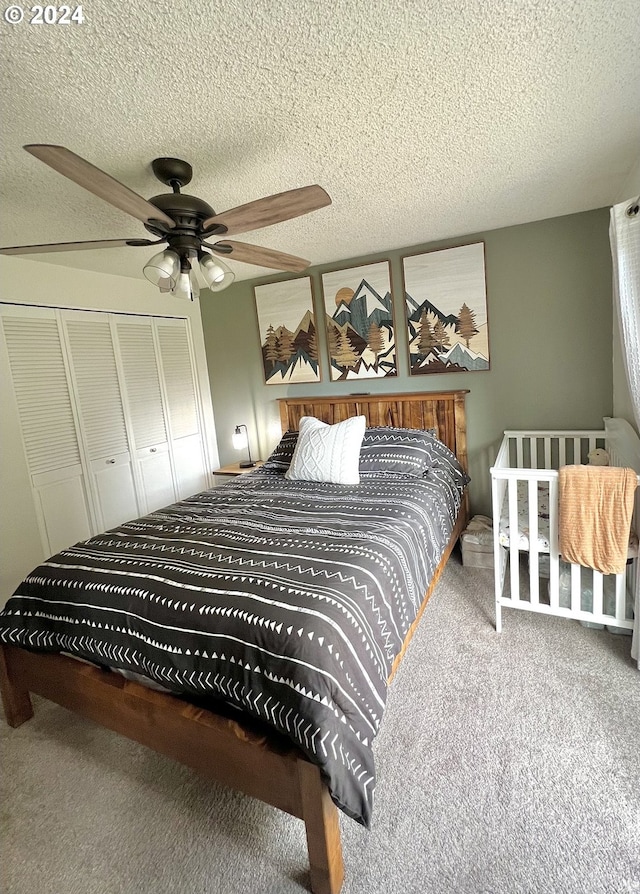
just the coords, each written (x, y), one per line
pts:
(524, 486)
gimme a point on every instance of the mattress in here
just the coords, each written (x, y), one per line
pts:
(286, 599)
(523, 533)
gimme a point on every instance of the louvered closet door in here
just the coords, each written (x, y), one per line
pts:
(185, 429)
(49, 426)
(102, 422)
(145, 409)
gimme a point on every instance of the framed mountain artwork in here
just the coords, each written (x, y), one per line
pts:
(359, 320)
(288, 334)
(446, 310)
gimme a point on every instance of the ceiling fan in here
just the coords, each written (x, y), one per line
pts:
(183, 222)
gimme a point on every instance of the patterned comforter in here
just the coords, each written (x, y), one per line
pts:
(286, 599)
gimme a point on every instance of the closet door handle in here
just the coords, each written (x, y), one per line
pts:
(153, 450)
(111, 462)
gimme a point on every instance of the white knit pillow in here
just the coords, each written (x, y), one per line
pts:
(328, 452)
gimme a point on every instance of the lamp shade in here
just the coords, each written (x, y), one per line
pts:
(216, 274)
(163, 270)
(187, 286)
(239, 438)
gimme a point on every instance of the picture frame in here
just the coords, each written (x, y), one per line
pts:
(359, 321)
(288, 331)
(445, 299)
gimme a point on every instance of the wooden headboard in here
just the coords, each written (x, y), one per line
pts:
(442, 410)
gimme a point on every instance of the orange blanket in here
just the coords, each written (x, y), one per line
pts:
(596, 505)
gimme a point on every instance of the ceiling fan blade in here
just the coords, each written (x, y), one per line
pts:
(270, 210)
(69, 246)
(100, 184)
(263, 257)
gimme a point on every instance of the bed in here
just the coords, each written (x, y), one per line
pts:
(525, 521)
(253, 741)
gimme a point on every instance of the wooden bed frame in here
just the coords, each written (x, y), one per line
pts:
(215, 746)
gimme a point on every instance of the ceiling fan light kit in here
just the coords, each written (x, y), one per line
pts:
(183, 222)
(169, 271)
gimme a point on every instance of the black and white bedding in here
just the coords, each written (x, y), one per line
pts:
(286, 599)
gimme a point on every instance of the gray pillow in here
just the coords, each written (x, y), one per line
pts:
(446, 467)
(280, 459)
(397, 451)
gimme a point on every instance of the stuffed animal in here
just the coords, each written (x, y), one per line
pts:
(598, 457)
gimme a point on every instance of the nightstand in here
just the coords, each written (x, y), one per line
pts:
(234, 469)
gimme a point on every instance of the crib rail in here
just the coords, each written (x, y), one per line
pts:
(524, 484)
(548, 449)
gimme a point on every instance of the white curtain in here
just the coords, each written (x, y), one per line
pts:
(624, 234)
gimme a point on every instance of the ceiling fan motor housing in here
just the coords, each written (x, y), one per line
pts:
(187, 211)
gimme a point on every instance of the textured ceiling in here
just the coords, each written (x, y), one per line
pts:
(423, 120)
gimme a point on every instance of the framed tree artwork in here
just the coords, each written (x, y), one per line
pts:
(288, 334)
(359, 320)
(446, 310)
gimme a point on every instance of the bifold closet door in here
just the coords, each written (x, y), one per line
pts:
(184, 423)
(144, 404)
(97, 387)
(49, 425)
(110, 416)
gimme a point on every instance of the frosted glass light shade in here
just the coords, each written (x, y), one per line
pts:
(163, 269)
(216, 274)
(187, 286)
(239, 438)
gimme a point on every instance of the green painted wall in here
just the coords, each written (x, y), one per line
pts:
(550, 329)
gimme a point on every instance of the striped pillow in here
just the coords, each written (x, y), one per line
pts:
(397, 451)
(446, 467)
(280, 459)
